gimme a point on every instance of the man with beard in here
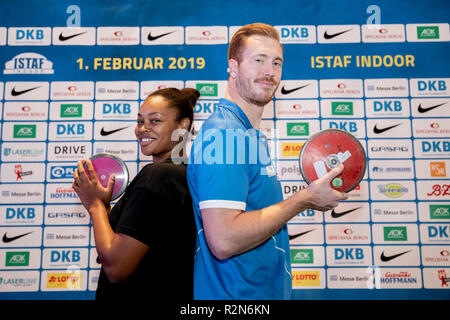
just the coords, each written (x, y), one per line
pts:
(242, 247)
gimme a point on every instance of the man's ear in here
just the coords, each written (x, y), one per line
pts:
(233, 67)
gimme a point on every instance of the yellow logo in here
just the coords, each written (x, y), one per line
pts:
(291, 149)
(64, 280)
(305, 278)
(437, 169)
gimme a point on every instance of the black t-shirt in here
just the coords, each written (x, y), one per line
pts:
(156, 209)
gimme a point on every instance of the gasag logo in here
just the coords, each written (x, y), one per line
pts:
(29, 63)
(297, 34)
(73, 214)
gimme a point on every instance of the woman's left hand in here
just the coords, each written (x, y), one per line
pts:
(89, 189)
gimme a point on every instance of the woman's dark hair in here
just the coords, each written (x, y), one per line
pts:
(183, 100)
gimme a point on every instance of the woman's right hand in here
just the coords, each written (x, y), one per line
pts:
(88, 187)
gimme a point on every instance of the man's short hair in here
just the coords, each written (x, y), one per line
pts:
(237, 43)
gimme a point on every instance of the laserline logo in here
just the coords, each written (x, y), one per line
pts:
(428, 32)
(297, 128)
(207, 89)
(395, 234)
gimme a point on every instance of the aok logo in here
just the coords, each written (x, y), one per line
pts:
(22, 131)
(71, 110)
(302, 256)
(17, 259)
(439, 211)
(342, 108)
(297, 128)
(395, 234)
(428, 32)
(207, 89)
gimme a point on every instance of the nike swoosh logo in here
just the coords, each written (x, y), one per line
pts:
(389, 258)
(331, 36)
(7, 239)
(153, 38)
(335, 214)
(423, 110)
(285, 91)
(378, 131)
(103, 132)
(16, 93)
(63, 38)
(292, 237)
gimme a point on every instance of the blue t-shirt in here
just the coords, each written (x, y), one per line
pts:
(230, 167)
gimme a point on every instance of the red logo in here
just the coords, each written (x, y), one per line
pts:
(341, 86)
(118, 33)
(206, 33)
(348, 231)
(18, 171)
(443, 277)
(383, 30)
(72, 88)
(26, 108)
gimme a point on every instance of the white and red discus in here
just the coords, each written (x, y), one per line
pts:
(328, 148)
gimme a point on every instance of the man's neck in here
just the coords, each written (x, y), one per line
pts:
(252, 111)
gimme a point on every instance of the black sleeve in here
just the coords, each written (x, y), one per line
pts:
(143, 215)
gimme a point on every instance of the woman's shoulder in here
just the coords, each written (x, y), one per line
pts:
(161, 173)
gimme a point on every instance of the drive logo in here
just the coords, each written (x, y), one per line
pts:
(435, 87)
(29, 63)
(24, 131)
(297, 34)
(302, 256)
(64, 280)
(297, 129)
(29, 36)
(395, 233)
(17, 259)
(71, 110)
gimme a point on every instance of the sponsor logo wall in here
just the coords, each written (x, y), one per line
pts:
(68, 93)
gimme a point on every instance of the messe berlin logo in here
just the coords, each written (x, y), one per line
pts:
(29, 63)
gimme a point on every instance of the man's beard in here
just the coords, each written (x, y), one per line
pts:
(256, 98)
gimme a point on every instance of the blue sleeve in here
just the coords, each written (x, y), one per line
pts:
(222, 182)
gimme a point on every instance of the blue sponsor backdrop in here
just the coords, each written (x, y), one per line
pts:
(421, 35)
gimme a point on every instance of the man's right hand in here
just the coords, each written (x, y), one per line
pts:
(321, 196)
